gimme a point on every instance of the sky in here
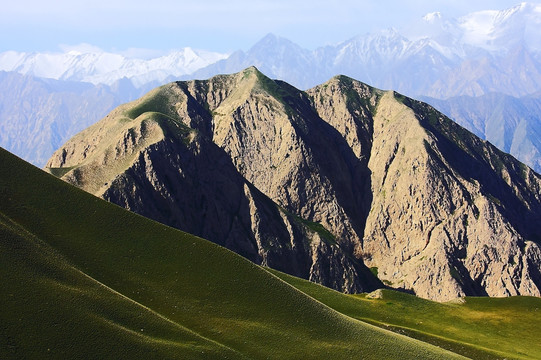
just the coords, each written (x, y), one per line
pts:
(152, 27)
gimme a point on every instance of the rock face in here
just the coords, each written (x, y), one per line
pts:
(512, 124)
(320, 183)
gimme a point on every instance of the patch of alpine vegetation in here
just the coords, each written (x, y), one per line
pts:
(398, 186)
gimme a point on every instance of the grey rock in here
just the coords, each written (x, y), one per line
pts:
(321, 184)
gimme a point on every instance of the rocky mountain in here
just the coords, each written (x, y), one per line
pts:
(321, 184)
(154, 163)
(511, 124)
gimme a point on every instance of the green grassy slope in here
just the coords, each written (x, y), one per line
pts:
(52, 310)
(480, 328)
(85, 278)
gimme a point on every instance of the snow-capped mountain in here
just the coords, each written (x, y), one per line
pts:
(420, 59)
(107, 68)
(477, 55)
(504, 30)
(491, 30)
(437, 56)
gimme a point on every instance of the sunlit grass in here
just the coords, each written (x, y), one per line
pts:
(480, 328)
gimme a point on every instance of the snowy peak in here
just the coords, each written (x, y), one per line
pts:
(437, 55)
(491, 30)
(502, 30)
(382, 44)
(439, 31)
(106, 68)
(431, 25)
(432, 17)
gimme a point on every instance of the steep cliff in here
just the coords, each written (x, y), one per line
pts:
(319, 183)
(144, 157)
(450, 215)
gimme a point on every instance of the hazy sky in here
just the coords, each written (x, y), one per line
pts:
(37, 25)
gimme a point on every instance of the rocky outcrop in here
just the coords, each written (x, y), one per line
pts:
(437, 224)
(319, 183)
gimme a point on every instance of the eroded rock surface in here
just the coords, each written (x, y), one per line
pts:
(321, 183)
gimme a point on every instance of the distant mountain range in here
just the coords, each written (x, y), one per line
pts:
(321, 184)
(488, 51)
(465, 61)
(98, 67)
(38, 115)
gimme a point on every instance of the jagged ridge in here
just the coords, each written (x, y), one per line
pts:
(355, 175)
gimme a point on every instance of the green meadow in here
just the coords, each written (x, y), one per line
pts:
(476, 327)
(82, 278)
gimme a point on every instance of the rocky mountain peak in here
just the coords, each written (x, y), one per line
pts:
(321, 183)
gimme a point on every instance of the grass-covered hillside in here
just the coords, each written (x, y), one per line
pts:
(82, 278)
(476, 327)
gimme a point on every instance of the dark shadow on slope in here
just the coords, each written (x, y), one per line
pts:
(349, 176)
(197, 189)
(331, 157)
(477, 160)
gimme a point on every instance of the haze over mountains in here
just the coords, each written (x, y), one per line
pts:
(511, 124)
(438, 57)
(321, 184)
(38, 115)
(482, 55)
(359, 189)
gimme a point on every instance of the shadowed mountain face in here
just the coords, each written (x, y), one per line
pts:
(320, 183)
(511, 124)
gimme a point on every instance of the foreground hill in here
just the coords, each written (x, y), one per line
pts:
(356, 175)
(82, 278)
